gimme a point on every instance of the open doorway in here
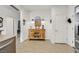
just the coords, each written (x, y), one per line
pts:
(77, 28)
(18, 30)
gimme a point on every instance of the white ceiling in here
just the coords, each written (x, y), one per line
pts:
(35, 7)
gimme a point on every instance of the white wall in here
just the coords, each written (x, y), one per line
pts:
(7, 11)
(43, 14)
(46, 15)
(8, 28)
(71, 27)
(24, 28)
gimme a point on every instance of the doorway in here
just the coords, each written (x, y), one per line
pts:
(77, 28)
(18, 30)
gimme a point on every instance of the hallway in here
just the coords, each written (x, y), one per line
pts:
(53, 23)
(36, 46)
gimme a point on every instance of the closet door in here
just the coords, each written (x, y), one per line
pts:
(59, 24)
(60, 28)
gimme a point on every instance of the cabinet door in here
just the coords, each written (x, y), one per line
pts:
(43, 34)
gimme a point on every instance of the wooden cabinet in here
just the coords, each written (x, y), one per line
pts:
(7, 45)
(36, 33)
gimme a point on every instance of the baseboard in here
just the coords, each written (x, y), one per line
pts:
(61, 43)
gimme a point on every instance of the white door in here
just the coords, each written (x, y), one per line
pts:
(60, 29)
